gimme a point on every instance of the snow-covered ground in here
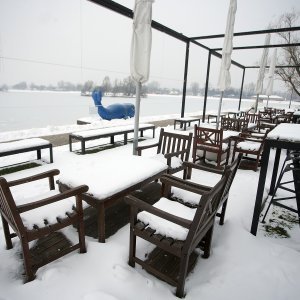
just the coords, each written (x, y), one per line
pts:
(241, 266)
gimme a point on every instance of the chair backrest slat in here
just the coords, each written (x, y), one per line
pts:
(173, 142)
(207, 209)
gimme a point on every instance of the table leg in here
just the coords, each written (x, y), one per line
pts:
(260, 188)
(296, 174)
(101, 223)
(275, 171)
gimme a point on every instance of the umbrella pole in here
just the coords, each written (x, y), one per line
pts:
(291, 99)
(219, 110)
(136, 116)
(268, 101)
(256, 103)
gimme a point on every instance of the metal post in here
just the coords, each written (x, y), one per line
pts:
(137, 117)
(186, 64)
(206, 86)
(219, 110)
(242, 86)
(256, 103)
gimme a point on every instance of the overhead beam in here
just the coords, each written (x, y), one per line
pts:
(256, 67)
(125, 11)
(216, 53)
(261, 46)
(276, 30)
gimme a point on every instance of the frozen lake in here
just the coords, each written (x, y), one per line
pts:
(25, 110)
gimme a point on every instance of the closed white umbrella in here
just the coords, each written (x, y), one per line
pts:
(262, 67)
(270, 75)
(140, 54)
(224, 75)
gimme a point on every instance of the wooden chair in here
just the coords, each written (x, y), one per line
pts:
(192, 227)
(210, 140)
(252, 120)
(266, 120)
(249, 144)
(171, 145)
(234, 124)
(19, 218)
(189, 167)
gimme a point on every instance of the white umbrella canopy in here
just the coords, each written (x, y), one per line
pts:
(140, 54)
(270, 75)
(224, 75)
(262, 67)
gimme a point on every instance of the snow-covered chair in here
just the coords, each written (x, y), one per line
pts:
(39, 217)
(251, 146)
(209, 142)
(173, 148)
(177, 230)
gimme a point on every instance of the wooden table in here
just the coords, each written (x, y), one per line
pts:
(284, 136)
(109, 179)
(214, 117)
(184, 121)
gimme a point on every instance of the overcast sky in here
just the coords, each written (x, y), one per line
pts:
(45, 41)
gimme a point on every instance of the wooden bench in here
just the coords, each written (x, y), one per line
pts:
(84, 136)
(26, 145)
(183, 121)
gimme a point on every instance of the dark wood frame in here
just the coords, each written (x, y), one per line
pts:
(10, 214)
(112, 135)
(200, 228)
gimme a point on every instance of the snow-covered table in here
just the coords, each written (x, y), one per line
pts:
(183, 121)
(26, 145)
(284, 136)
(109, 179)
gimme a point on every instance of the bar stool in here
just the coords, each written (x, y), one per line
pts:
(294, 166)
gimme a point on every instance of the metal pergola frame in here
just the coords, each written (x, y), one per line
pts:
(118, 8)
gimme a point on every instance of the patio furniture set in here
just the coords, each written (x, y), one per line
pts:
(193, 222)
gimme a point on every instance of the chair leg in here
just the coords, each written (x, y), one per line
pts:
(256, 163)
(81, 236)
(132, 248)
(6, 234)
(207, 242)
(27, 262)
(182, 275)
(222, 214)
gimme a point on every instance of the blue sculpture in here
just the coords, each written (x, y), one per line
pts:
(113, 111)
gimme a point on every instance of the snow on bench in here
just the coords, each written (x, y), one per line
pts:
(26, 145)
(88, 135)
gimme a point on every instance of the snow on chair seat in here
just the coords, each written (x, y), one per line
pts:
(24, 219)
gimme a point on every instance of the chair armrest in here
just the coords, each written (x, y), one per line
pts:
(188, 164)
(140, 148)
(193, 187)
(176, 153)
(50, 173)
(133, 201)
(69, 193)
